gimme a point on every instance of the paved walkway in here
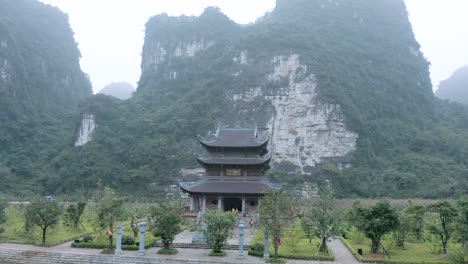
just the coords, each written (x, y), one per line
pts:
(188, 255)
(342, 253)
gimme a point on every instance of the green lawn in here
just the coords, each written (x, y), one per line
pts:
(14, 231)
(413, 251)
(302, 250)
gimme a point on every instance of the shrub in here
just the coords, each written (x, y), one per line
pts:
(217, 254)
(88, 238)
(90, 245)
(167, 251)
(108, 251)
(257, 247)
(128, 240)
(277, 260)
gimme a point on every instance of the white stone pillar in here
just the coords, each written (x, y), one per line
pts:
(243, 204)
(191, 203)
(118, 248)
(204, 203)
(219, 202)
(141, 250)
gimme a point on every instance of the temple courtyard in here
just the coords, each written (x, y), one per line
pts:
(21, 253)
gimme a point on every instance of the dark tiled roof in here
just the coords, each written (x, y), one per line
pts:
(234, 137)
(216, 186)
(234, 160)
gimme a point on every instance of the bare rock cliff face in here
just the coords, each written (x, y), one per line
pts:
(86, 130)
(303, 130)
(283, 99)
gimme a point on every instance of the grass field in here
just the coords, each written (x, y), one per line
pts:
(14, 231)
(413, 252)
(301, 250)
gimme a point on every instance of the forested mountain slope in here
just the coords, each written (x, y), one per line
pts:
(455, 88)
(341, 87)
(41, 84)
(341, 83)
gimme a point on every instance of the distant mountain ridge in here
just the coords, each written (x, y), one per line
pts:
(120, 90)
(455, 88)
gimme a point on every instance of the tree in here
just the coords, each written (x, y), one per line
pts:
(320, 212)
(403, 229)
(44, 214)
(443, 226)
(374, 221)
(135, 215)
(167, 220)
(219, 227)
(109, 209)
(277, 212)
(72, 216)
(462, 205)
(415, 215)
(3, 206)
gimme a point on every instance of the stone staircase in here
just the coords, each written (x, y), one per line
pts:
(13, 256)
(200, 246)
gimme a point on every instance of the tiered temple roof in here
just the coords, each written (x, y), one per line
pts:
(234, 138)
(237, 160)
(213, 160)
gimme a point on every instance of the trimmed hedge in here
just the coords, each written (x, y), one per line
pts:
(217, 254)
(102, 245)
(165, 251)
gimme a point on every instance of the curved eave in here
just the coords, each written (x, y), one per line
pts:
(204, 186)
(203, 161)
(215, 144)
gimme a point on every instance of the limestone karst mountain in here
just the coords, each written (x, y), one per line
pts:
(455, 88)
(341, 88)
(41, 85)
(120, 90)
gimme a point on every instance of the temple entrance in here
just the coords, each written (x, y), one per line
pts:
(230, 203)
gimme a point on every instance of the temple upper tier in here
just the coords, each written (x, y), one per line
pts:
(234, 138)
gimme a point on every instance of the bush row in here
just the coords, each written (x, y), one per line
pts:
(102, 245)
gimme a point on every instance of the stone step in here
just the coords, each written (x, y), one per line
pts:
(15, 256)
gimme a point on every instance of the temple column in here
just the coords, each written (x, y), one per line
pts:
(192, 207)
(219, 202)
(243, 204)
(204, 203)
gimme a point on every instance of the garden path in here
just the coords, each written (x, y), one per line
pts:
(342, 253)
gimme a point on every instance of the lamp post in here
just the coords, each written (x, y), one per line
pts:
(141, 251)
(118, 247)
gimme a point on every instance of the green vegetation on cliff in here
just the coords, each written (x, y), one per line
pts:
(41, 84)
(364, 57)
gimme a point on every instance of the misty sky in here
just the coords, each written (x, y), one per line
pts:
(110, 32)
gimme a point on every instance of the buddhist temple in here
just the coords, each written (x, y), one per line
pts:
(236, 161)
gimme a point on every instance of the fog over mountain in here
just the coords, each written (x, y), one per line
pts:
(455, 88)
(121, 90)
(439, 26)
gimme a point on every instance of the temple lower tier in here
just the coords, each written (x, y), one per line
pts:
(245, 203)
